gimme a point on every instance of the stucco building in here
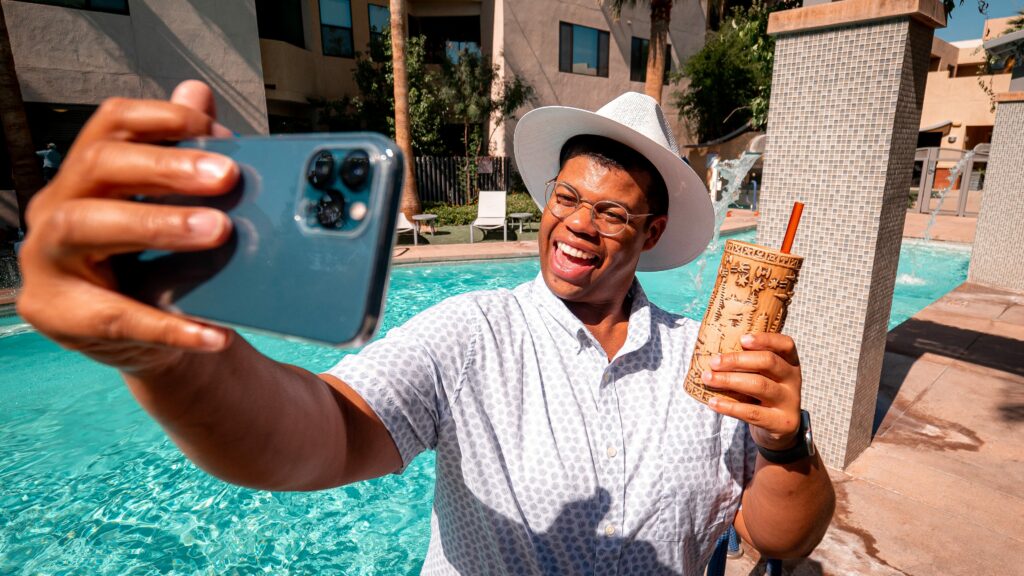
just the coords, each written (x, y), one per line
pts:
(959, 109)
(572, 52)
(268, 59)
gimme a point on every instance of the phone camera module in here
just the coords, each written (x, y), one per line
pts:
(330, 210)
(321, 170)
(355, 169)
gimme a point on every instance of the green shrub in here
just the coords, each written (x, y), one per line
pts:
(448, 215)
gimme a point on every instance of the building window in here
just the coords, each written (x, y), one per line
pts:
(582, 50)
(638, 60)
(453, 50)
(336, 28)
(112, 6)
(380, 21)
(446, 36)
(281, 20)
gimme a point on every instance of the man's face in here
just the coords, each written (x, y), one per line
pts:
(579, 264)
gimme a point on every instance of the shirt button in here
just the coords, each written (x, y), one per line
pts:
(609, 530)
(612, 451)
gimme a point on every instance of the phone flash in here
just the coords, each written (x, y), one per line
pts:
(357, 211)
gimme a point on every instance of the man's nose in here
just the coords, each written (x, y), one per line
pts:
(581, 221)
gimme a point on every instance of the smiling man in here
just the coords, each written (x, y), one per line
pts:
(565, 441)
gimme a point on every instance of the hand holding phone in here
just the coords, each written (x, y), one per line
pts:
(313, 219)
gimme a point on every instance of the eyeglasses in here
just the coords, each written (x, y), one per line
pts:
(609, 217)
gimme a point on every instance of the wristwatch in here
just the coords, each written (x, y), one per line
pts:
(804, 444)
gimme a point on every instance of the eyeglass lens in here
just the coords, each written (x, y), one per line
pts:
(609, 217)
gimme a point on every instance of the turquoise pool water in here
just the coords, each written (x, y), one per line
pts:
(89, 485)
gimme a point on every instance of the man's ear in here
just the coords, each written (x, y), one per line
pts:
(655, 228)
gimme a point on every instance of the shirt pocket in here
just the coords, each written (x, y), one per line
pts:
(689, 490)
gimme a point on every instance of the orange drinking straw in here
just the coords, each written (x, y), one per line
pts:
(794, 221)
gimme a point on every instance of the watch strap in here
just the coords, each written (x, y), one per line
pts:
(804, 447)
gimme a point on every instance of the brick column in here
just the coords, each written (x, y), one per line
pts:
(842, 128)
(998, 256)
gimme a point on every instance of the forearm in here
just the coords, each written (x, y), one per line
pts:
(787, 509)
(248, 419)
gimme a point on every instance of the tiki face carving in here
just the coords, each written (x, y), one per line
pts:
(752, 292)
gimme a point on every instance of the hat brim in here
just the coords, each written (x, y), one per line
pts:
(538, 142)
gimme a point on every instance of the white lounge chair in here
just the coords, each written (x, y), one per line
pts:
(490, 214)
(403, 225)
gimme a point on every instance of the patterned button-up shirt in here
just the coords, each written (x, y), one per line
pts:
(550, 458)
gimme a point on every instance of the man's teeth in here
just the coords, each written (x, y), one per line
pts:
(576, 253)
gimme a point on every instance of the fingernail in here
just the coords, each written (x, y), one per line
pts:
(221, 131)
(205, 224)
(713, 402)
(212, 339)
(706, 376)
(716, 360)
(747, 339)
(213, 168)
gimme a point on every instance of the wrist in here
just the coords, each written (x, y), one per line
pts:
(800, 448)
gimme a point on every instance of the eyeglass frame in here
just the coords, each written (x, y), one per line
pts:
(555, 182)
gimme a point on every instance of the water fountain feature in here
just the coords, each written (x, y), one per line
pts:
(914, 277)
(732, 172)
(954, 174)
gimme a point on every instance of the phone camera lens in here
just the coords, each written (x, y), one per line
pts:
(320, 170)
(330, 210)
(355, 169)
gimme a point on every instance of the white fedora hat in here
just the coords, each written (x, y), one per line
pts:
(637, 121)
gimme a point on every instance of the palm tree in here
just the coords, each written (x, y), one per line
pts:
(403, 134)
(661, 13)
(25, 167)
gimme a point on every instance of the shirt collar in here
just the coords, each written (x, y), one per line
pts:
(638, 331)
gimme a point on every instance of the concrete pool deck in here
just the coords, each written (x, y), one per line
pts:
(939, 489)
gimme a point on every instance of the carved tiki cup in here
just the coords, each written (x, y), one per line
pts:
(752, 292)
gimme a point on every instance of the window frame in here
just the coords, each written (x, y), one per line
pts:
(565, 57)
(87, 7)
(640, 75)
(323, 37)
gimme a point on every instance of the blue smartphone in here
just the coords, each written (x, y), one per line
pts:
(313, 229)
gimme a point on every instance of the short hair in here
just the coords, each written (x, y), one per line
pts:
(614, 154)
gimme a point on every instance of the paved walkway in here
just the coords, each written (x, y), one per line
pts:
(945, 228)
(939, 491)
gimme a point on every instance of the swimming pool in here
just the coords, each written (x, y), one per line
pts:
(89, 485)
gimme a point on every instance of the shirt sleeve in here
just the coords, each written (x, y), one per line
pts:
(409, 377)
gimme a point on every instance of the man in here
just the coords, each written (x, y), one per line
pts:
(565, 442)
(51, 161)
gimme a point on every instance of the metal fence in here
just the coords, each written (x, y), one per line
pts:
(930, 184)
(442, 179)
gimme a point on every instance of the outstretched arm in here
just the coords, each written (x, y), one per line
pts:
(235, 412)
(786, 507)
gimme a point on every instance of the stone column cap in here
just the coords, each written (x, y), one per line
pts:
(835, 14)
(1010, 97)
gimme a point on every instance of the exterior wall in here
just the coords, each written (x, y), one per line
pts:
(71, 56)
(998, 256)
(853, 177)
(962, 101)
(295, 75)
(531, 50)
(946, 52)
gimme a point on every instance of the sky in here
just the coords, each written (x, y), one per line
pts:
(965, 23)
